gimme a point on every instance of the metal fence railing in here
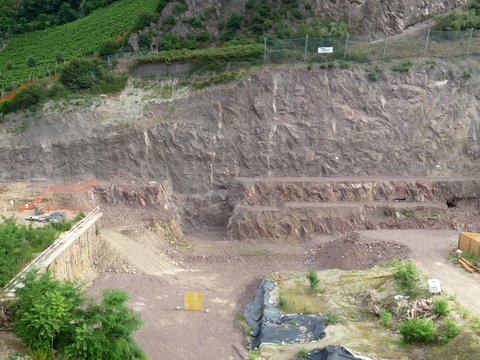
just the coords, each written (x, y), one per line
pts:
(356, 48)
(433, 44)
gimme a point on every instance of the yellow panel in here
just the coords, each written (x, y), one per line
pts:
(193, 301)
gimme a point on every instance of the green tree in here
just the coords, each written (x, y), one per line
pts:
(54, 316)
(81, 73)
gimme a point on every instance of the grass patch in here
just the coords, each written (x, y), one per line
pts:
(302, 353)
(386, 318)
(246, 329)
(402, 67)
(407, 214)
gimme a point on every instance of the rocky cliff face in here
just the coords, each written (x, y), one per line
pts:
(279, 122)
(369, 17)
(366, 17)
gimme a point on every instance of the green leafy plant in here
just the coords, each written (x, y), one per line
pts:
(403, 67)
(417, 330)
(31, 62)
(55, 317)
(375, 73)
(331, 318)
(440, 307)
(282, 301)
(82, 73)
(448, 332)
(302, 353)
(313, 279)
(466, 75)
(386, 318)
(406, 275)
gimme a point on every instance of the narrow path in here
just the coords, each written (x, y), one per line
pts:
(139, 255)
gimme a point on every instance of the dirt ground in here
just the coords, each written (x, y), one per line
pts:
(228, 273)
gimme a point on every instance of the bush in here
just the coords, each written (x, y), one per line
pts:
(402, 67)
(375, 74)
(52, 316)
(31, 62)
(302, 353)
(180, 7)
(24, 99)
(331, 318)
(440, 307)
(386, 318)
(109, 48)
(313, 279)
(458, 20)
(417, 330)
(59, 58)
(282, 301)
(144, 20)
(448, 332)
(406, 275)
(81, 73)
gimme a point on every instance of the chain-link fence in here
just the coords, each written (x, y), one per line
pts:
(360, 49)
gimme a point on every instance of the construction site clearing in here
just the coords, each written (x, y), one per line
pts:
(142, 248)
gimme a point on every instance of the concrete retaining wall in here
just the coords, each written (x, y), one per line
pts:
(71, 256)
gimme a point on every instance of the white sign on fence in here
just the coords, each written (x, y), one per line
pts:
(325, 50)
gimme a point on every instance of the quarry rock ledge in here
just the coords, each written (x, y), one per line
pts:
(278, 123)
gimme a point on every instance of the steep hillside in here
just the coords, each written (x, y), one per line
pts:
(278, 122)
(47, 48)
(186, 23)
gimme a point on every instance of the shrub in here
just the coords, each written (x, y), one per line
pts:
(8, 66)
(331, 318)
(180, 8)
(466, 75)
(403, 67)
(386, 318)
(302, 353)
(31, 62)
(458, 20)
(144, 20)
(448, 332)
(59, 58)
(440, 307)
(417, 330)
(313, 279)
(282, 301)
(52, 316)
(375, 73)
(24, 99)
(406, 275)
(110, 83)
(81, 73)
(109, 48)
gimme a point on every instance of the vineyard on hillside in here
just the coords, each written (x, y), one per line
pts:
(36, 54)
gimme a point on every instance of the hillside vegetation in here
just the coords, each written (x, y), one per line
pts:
(19, 16)
(36, 54)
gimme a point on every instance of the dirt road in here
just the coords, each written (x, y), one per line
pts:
(228, 273)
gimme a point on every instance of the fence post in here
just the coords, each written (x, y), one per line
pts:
(305, 52)
(469, 41)
(426, 44)
(265, 45)
(385, 46)
(346, 46)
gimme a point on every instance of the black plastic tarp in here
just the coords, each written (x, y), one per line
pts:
(271, 327)
(330, 353)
